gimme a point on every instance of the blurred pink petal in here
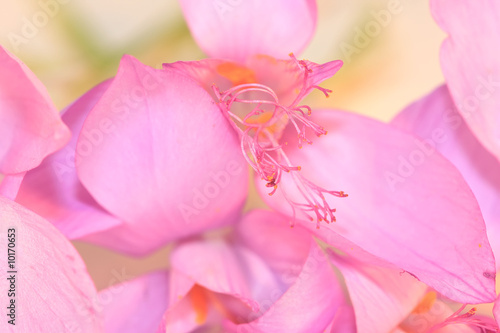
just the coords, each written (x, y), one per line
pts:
(399, 206)
(137, 305)
(221, 268)
(496, 311)
(381, 297)
(470, 59)
(53, 291)
(10, 184)
(30, 125)
(238, 29)
(268, 235)
(182, 317)
(435, 119)
(344, 321)
(275, 285)
(157, 153)
(53, 189)
(309, 305)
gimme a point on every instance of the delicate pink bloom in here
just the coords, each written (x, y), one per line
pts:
(51, 289)
(29, 122)
(162, 154)
(396, 212)
(461, 119)
(281, 281)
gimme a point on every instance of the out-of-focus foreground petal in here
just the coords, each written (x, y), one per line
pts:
(235, 30)
(10, 184)
(301, 263)
(53, 291)
(408, 207)
(53, 189)
(437, 122)
(157, 153)
(470, 59)
(30, 125)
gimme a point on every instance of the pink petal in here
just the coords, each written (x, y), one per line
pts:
(344, 321)
(471, 65)
(159, 155)
(185, 317)
(180, 318)
(137, 305)
(309, 305)
(421, 217)
(496, 311)
(258, 231)
(53, 291)
(10, 184)
(302, 269)
(381, 297)
(238, 29)
(53, 189)
(30, 125)
(435, 119)
(221, 268)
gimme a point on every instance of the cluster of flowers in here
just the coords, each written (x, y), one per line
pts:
(155, 156)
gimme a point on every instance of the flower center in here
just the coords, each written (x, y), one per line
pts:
(237, 74)
(255, 112)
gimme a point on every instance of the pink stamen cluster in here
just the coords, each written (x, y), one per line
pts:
(260, 146)
(484, 324)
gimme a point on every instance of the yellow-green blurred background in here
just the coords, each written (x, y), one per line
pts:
(83, 41)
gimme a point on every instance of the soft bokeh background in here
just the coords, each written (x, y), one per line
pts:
(83, 41)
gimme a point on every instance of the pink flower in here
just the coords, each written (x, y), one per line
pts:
(461, 119)
(29, 122)
(159, 155)
(398, 202)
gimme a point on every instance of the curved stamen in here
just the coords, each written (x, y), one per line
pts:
(260, 146)
(467, 319)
